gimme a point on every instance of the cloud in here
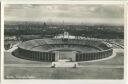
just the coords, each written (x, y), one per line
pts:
(68, 12)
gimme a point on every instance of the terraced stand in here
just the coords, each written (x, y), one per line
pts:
(53, 49)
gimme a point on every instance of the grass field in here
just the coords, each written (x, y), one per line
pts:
(63, 73)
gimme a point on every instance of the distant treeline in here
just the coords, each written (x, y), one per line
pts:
(93, 31)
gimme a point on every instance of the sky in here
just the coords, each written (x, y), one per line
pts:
(67, 13)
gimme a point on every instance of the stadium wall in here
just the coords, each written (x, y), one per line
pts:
(93, 55)
(52, 56)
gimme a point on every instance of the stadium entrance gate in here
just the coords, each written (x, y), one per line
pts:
(65, 55)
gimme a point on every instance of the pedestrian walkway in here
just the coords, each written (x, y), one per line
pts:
(14, 47)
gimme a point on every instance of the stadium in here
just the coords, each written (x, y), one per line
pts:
(64, 48)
